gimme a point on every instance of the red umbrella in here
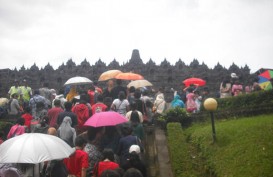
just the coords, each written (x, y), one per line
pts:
(102, 119)
(129, 76)
(194, 81)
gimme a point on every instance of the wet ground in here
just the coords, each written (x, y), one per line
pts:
(157, 155)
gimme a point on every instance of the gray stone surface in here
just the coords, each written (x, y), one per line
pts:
(162, 154)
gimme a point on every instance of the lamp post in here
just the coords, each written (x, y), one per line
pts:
(210, 105)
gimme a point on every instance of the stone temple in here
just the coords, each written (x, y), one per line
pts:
(162, 75)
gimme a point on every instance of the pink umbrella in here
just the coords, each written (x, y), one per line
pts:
(102, 119)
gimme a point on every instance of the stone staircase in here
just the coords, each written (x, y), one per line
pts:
(156, 153)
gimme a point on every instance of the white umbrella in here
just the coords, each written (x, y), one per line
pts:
(34, 148)
(78, 81)
(139, 83)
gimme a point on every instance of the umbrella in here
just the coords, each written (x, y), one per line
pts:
(109, 75)
(129, 76)
(102, 119)
(139, 84)
(195, 81)
(264, 79)
(78, 81)
(34, 148)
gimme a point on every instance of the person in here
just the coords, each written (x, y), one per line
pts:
(107, 163)
(92, 147)
(26, 93)
(45, 92)
(72, 93)
(110, 139)
(108, 102)
(138, 129)
(237, 88)
(125, 142)
(133, 172)
(42, 126)
(69, 113)
(110, 173)
(205, 93)
(225, 88)
(99, 106)
(92, 94)
(255, 85)
(17, 129)
(134, 161)
(177, 102)
(60, 97)
(107, 92)
(66, 132)
(9, 170)
(54, 112)
(14, 107)
(98, 90)
(133, 107)
(82, 112)
(41, 111)
(131, 96)
(198, 100)
(15, 89)
(121, 104)
(34, 101)
(77, 163)
(190, 104)
(118, 88)
(28, 118)
(159, 104)
(181, 93)
(148, 105)
(140, 106)
(52, 131)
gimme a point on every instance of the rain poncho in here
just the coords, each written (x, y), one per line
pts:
(177, 102)
(72, 93)
(160, 103)
(66, 132)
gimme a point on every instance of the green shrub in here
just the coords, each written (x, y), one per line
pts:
(176, 115)
(247, 105)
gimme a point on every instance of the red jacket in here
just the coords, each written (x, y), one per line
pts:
(82, 112)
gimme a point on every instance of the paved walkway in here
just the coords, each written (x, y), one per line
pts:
(157, 154)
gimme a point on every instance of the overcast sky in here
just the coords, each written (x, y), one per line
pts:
(212, 31)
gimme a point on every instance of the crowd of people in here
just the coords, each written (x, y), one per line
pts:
(232, 86)
(63, 113)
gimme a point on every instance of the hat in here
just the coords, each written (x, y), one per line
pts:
(134, 148)
(233, 75)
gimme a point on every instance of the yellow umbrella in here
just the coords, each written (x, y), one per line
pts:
(109, 75)
(129, 76)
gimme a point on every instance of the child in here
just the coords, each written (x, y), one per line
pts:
(28, 117)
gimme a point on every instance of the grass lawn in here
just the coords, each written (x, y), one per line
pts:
(244, 148)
